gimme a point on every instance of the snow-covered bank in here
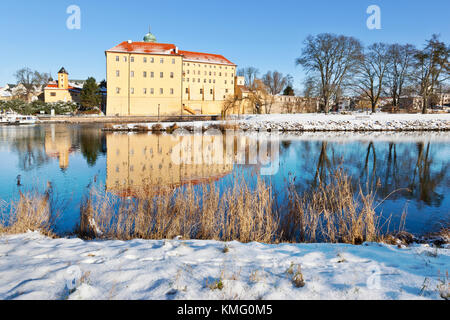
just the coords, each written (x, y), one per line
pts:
(312, 122)
(35, 267)
(355, 122)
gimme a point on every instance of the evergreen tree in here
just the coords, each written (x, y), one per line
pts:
(90, 95)
(288, 91)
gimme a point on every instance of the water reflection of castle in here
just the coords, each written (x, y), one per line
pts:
(135, 161)
(58, 144)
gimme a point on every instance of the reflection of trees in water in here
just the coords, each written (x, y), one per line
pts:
(323, 166)
(388, 166)
(424, 182)
(92, 144)
(29, 145)
(370, 177)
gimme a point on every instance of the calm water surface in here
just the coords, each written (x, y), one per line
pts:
(75, 157)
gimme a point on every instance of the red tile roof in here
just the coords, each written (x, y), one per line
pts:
(144, 47)
(205, 57)
(54, 85)
(166, 48)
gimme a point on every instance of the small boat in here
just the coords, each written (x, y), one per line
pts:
(17, 119)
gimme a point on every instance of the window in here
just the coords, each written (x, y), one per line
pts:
(204, 80)
(210, 73)
(225, 81)
(152, 91)
(211, 91)
(161, 91)
(171, 90)
(132, 59)
(152, 74)
(117, 58)
(187, 79)
(198, 80)
(125, 59)
(209, 80)
(226, 90)
(161, 60)
(132, 90)
(188, 72)
(171, 74)
(161, 74)
(145, 59)
(53, 94)
(173, 61)
(117, 73)
(145, 90)
(201, 91)
(145, 74)
(187, 90)
(117, 90)
(152, 60)
(132, 74)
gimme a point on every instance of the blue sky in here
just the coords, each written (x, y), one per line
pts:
(264, 34)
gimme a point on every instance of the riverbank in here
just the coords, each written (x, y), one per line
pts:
(33, 266)
(305, 123)
(83, 119)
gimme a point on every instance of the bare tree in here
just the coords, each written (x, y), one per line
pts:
(32, 81)
(399, 72)
(250, 74)
(332, 59)
(371, 72)
(275, 82)
(229, 104)
(433, 68)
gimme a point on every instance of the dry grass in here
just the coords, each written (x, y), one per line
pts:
(239, 213)
(331, 213)
(32, 212)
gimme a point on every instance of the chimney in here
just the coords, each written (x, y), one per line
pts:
(176, 50)
(130, 41)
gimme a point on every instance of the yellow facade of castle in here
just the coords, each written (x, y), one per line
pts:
(151, 79)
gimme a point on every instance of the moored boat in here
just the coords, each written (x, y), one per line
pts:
(17, 119)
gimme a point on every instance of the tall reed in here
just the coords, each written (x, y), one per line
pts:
(194, 212)
(331, 212)
(32, 212)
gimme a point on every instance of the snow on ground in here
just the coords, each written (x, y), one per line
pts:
(323, 122)
(35, 267)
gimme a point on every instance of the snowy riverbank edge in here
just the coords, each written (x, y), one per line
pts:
(36, 267)
(311, 122)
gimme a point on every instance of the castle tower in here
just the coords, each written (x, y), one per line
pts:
(149, 37)
(63, 79)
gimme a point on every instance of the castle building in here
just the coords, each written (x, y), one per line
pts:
(150, 78)
(61, 90)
